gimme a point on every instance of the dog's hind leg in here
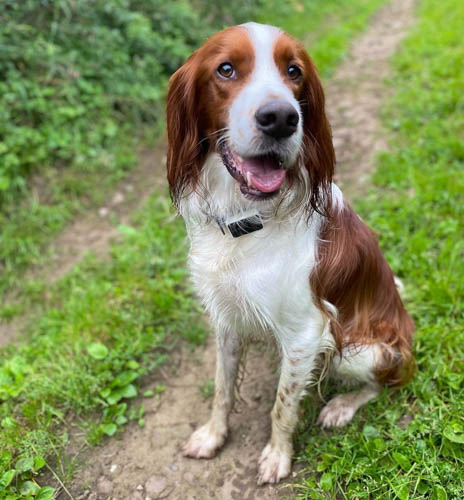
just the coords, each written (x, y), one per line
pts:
(341, 409)
(357, 365)
(206, 440)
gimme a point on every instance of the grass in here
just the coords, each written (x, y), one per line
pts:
(30, 222)
(103, 327)
(417, 206)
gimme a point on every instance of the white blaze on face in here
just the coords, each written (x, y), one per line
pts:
(265, 84)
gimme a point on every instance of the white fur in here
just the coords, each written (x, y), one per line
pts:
(356, 363)
(258, 284)
(265, 84)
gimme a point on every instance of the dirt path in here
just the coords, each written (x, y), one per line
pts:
(94, 231)
(144, 464)
(357, 91)
(148, 463)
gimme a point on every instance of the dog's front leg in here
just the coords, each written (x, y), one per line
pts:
(297, 365)
(206, 440)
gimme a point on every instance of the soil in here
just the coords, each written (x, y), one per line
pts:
(357, 91)
(147, 463)
(94, 231)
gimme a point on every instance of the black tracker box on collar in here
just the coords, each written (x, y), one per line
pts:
(241, 227)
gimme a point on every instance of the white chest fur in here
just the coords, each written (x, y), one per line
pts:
(258, 282)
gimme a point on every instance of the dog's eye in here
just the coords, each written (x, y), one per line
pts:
(226, 70)
(294, 72)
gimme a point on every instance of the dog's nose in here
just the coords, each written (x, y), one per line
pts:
(278, 119)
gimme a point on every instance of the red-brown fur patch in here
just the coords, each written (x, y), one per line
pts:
(198, 103)
(353, 275)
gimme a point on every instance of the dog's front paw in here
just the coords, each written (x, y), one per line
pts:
(205, 441)
(274, 465)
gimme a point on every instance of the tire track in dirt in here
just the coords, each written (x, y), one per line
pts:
(94, 231)
(357, 91)
(144, 464)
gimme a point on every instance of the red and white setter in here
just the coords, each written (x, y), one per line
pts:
(276, 251)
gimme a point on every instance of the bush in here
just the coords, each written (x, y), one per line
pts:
(75, 74)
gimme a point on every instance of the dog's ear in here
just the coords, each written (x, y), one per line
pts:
(186, 152)
(319, 154)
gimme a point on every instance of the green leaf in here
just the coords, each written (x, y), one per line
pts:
(97, 350)
(39, 462)
(7, 477)
(439, 493)
(326, 481)
(28, 488)
(401, 491)
(24, 465)
(402, 461)
(127, 230)
(105, 392)
(124, 379)
(8, 423)
(114, 396)
(120, 420)
(379, 444)
(454, 432)
(130, 391)
(423, 487)
(45, 493)
(122, 392)
(109, 429)
(370, 432)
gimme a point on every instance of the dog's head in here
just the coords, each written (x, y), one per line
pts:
(251, 96)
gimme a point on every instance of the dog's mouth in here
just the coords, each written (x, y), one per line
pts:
(259, 177)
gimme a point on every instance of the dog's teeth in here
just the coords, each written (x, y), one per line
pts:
(249, 179)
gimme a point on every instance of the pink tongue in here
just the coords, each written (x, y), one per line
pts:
(264, 173)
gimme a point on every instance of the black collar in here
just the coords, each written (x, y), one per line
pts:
(242, 226)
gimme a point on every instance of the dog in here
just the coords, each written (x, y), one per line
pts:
(276, 251)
